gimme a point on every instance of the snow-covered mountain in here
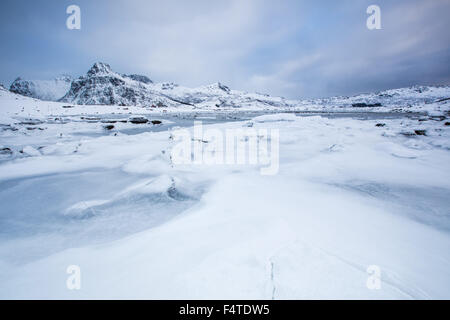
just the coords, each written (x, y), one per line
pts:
(402, 97)
(49, 90)
(103, 86)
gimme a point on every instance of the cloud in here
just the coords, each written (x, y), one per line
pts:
(412, 48)
(291, 48)
(190, 42)
(280, 81)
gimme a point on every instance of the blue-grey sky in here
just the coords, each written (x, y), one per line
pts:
(289, 48)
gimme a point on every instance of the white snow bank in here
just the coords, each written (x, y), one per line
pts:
(275, 117)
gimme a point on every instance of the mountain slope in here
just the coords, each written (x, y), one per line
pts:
(102, 86)
(49, 90)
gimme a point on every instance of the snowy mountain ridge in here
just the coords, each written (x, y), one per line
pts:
(103, 86)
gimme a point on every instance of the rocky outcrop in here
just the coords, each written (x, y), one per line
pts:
(103, 86)
(139, 78)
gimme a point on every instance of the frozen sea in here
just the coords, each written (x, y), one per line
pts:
(348, 195)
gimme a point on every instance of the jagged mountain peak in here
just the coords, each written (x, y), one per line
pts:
(100, 68)
(103, 69)
(101, 85)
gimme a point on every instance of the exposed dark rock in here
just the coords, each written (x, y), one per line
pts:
(156, 122)
(380, 125)
(109, 127)
(366, 105)
(5, 127)
(438, 118)
(31, 122)
(91, 119)
(6, 151)
(420, 132)
(168, 86)
(447, 123)
(138, 120)
(138, 77)
(223, 87)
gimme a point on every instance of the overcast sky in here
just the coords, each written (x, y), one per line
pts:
(286, 48)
